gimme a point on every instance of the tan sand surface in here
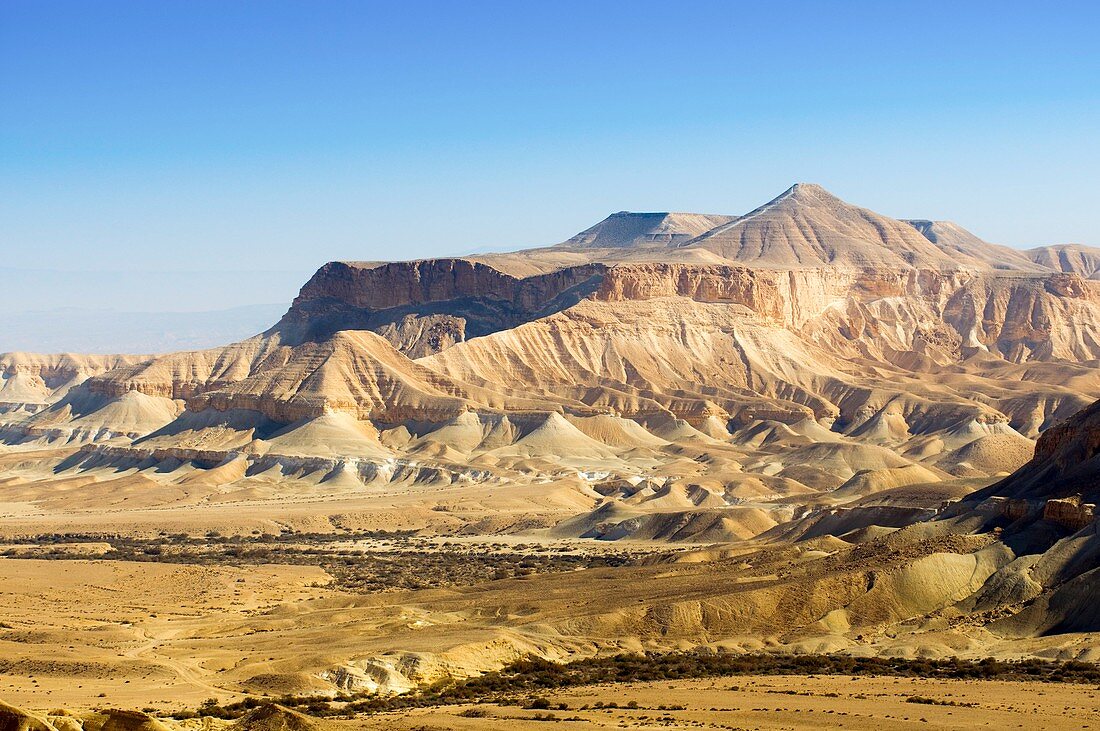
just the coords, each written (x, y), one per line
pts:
(771, 702)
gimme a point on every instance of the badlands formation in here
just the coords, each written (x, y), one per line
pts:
(808, 428)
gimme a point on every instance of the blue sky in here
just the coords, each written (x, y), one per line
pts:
(147, 136)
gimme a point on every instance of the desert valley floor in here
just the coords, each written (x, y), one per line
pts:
(809, 430)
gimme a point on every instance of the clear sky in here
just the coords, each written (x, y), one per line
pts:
(155, 135)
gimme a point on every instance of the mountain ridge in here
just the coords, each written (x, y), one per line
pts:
(805, 226)
(823, 336)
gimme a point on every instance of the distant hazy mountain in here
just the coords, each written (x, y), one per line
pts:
(117, 311)
(72, 330)
(197, 290)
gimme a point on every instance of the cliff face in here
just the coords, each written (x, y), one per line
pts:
(398, 284)
(425, 307)
(646, 338)
(757, 290)
(460, 298)
(353, 372)
(187, 374)
(1019, 318)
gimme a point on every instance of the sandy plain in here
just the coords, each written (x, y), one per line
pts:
(769, 702)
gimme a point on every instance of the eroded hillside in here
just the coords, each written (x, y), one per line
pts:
(687, 375)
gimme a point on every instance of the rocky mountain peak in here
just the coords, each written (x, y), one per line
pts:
(807, 226)
(808, 191)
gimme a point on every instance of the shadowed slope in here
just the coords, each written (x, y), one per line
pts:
(1066, 462)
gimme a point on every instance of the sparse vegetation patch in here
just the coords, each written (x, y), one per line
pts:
(524, 682)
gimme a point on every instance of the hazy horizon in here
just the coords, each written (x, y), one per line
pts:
(143, 145)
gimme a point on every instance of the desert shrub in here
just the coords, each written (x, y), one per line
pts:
(474, 713)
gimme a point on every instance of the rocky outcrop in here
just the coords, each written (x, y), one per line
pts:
(187, 374)
(1069, 512)
(354, 372)
(757, 290)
